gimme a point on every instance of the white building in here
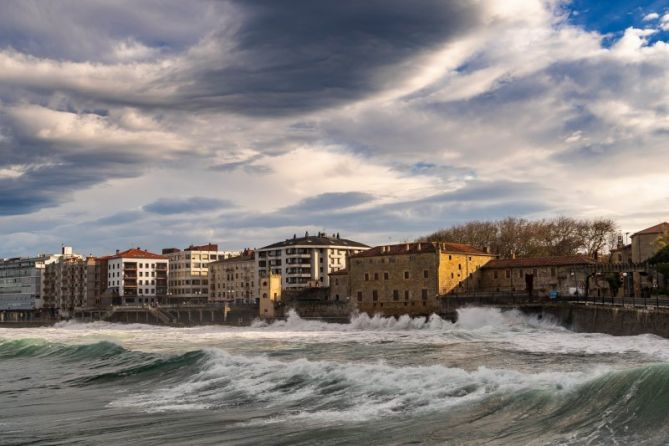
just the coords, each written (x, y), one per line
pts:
(136, 276)
(189, 281)
(306, 261)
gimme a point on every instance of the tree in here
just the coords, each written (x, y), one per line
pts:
(523, 238)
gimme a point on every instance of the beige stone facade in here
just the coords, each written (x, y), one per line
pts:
(565, 275)
(270, 296)
(234, 279)
(645, 243)
(339, 286)
(411, 278)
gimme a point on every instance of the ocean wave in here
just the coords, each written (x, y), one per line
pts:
(324, 389)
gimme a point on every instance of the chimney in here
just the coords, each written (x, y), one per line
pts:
(408, 247)
(418, 246)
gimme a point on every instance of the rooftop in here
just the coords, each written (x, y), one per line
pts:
(136, 253)
(317, 240)
(531, 262)
(420, 248)
(247, 256)
(657, 229)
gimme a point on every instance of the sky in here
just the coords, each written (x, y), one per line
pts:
(169, 123)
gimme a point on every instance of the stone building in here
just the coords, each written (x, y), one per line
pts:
(234, 279)
(540, 276)
(410, 278)
(270, 296)
(306, 261)
(137, 276)
(339, 286)
(645, 243)
(644, 246)
(189, 281)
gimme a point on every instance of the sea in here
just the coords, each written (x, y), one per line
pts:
(491, 378)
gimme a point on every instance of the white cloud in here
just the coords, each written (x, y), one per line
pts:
(651, 16)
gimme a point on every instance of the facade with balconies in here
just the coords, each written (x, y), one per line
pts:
(306, 261)
(136, 276)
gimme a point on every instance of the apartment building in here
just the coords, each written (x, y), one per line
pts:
(137, 276)
(21, 282)
(234, 279)
(189, 281)
(65, 283)
(306, 261)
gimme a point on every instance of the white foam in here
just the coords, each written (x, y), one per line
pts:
(330, 391)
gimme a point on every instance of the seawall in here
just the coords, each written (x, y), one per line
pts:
(613, 320)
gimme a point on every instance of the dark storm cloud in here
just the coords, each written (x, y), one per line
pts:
(300, 55)
(167, 206)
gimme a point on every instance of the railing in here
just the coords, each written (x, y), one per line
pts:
(655, 301)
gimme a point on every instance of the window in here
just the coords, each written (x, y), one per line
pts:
(366, 277)
(508, 274)
(386, 275)
(423, 294)
(376, 276)
(452, 276)
(425, 274)
(460, 266)
(450, 257)
(494, 274)
(407, 294)
(396, 294)
(375, 295)
(553, 272)
(406, 274)
(359, 296)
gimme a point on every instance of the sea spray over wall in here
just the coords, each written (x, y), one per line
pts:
(469, 318)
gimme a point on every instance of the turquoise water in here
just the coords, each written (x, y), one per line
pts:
(492, 378)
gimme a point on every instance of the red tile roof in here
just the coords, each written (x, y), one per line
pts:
(137, 253)
(419, 248)
(657, 229)
(531, 262)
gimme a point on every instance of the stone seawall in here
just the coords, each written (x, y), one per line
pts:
(593, 318)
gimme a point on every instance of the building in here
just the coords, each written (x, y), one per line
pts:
(306, 261)
(645, 243)
(339, 286)
(270, 296)
(136, 276)
(65, 283)
(410, 278)
(234, 279)
(539, 276)
(21, 282)
(189, 282)
(97, 293)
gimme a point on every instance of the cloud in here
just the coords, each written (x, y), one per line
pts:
(378, 118)
(168, 206)
(331, 201)
(651, 16)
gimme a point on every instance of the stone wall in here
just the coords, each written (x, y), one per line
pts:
(617, 321)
